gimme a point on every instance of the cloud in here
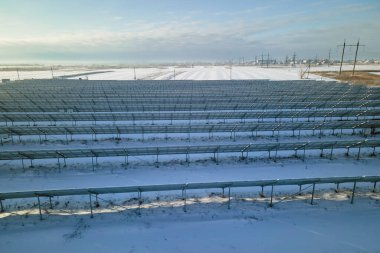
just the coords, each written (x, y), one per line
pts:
(187, 36)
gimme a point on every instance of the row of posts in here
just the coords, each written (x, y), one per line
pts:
(94, 159)
(184, 198)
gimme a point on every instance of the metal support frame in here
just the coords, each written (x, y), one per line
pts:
(312, 195)
(39, 207)
(229, 197)
(353, 193)
(374, 187)
(216, 157)
(140, 202)
(262, 192)
(271, 197)
(304, 153)
(358, 157)
(92, 215)
(184, 199)
(92, 162)
(275, 155)
(157, 164)
(1, 206)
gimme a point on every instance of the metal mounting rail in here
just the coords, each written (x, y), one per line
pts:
(188, 186)
(186, 128)
(209, 115)
(189, 149)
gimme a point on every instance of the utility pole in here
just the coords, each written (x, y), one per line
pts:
(268, 61)
(174, 74)
(356, 55)
(329, 62)
(341, 61)
(18, 75)
(134, 73)
(294, 59)
(357, 45)
(262, 59)
(52, 75)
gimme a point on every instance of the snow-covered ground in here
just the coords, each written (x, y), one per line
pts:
(202, 73)
(292, 225)
(181, 73)
(332, 225)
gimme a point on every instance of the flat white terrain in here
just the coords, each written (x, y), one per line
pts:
(180, 73)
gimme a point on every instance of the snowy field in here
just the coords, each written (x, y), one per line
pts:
(332, 224)
(219, 73)
(180, 73)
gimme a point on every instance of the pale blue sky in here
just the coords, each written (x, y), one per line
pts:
(182, 30)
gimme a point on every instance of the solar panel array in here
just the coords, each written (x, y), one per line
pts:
(82, 107)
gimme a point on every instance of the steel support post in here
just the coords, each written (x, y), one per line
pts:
(184, 200)
(358, 157)
(229, 197)
(275, 156)
(59, 165)
(126, 161)
(39, 207)
(304, 153)
(312, 195)
(140, 202)
(353, 193)
(331, 153)
(92, 215)
(271, 197)
(92, 161)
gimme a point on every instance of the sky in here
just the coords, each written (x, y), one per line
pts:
(127, 31)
